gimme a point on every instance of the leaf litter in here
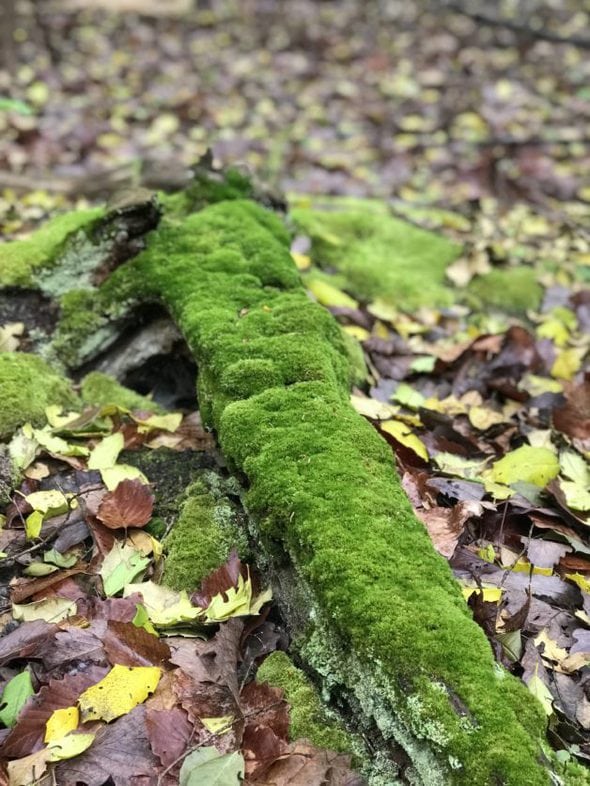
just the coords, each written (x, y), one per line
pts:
(492, 440)
(110, 677)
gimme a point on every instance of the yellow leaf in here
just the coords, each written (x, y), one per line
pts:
(302, 261)
(371, 408)
(236, 602)
(164, 606)
(51, 610)
(168, 422)
(33, 524)
(490, 594)
(580, 580)
(107, 451)
(482, 418)
(119, 692)
(112, 476)
(526, 464)
(45, 501)
(60, 723)
(218, 725)
(538, 688)
(402, 434)
(69, 746)
(56, 420)
(568, 363)
(329, 295)
(551, 650)
(356, 331)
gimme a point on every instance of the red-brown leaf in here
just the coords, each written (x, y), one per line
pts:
(129, 505)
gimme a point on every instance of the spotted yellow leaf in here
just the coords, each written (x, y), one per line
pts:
(119, 692)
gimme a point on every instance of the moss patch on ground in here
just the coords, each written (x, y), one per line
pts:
(98, 388)
(514, 289)
(27, 386)
(308, 717)
(21, 259)
(202, 538)
(379, 255)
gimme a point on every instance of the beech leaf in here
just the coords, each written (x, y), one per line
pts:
(129, 505)
(61, 722)
(106, 453)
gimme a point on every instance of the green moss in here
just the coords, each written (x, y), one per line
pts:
(98, 388)
(356, 358)
(201, 539)
(22, 258)
(379, 255)
(323, 484)
(27, 386)
(308, 718)
(207, 188)
(274, 380)
(514, 289)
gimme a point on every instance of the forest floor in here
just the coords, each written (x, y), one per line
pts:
(485, 399)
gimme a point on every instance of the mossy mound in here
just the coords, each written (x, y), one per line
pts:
(308, 717)
(513, 290)
(379, 255)
(97, 388)
(202, 539)
(27, 386)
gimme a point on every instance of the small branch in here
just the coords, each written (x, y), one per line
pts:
(519, 29)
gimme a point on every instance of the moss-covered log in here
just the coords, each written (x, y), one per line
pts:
(381, 618)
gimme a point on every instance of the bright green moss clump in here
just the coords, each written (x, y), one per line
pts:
(274, 381)
(514, 289)
(381, 256)
(201, 540)
(19, 260)
(308, 718)
(98, 388)
(27, 386)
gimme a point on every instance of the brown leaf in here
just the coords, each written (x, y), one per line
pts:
(129, 645)
(445, 525)
(545, 553)
(220, 580)
(73, 644)
(261, 748)
(169, 732)
(24, 640)
(573, 418)
(264, 705)
(129, 505)
(27, 736)
(23, 589)
(304, 765)
(120, 753)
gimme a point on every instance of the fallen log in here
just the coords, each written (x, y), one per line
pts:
(375, 611)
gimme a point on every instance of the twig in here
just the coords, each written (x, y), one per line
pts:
(519, 29)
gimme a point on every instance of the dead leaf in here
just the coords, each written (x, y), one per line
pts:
(129, 505)
(445, 525)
